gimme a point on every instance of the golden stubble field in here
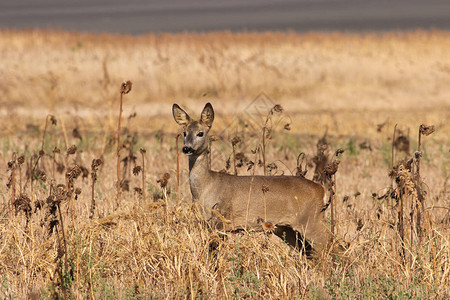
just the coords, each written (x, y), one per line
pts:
(351, 88)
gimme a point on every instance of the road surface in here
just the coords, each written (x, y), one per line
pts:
(142, 16)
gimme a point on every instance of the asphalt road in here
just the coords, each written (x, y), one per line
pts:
(142, 16)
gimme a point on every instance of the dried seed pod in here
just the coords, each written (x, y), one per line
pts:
(40, 175)
(11, 164)
(72, 149)
(339, 151)
(240, 156)
(96, 162)
(268, 227)
(236, 140)
(287, 127)
(137, 170)
(426, 130)
(56, 150)
(53, 120)
(265, 188)
(272, 166)
(22, 203)
(20, 159)
(125, 88)
(74, 172)
(142, 150)
(332, 168)
(277, 108)
(164, 180)
(76, 133)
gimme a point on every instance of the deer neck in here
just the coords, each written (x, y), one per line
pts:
(198, 173)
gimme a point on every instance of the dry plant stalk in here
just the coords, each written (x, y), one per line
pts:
(277, 108)
(125, 88)
(69, 178)
(53, 120)
(234, 142)
(423, 130)
(330, 173)
(178, 169)
(265, 189)
(96, 163)
(12, 168)
(20, 161)
(143, 151)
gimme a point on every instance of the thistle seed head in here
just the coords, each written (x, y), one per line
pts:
(126, 87)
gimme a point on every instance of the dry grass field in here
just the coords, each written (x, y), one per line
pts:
(363, 93)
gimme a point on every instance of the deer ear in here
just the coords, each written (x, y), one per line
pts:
(180, 116)
(207, 116)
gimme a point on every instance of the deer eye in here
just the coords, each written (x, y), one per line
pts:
(200, 134)
(184, 133)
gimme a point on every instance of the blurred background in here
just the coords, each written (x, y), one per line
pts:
(142, 16)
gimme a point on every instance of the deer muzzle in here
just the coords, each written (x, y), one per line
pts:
(188, 150)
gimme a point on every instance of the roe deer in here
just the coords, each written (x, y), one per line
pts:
(288, 202)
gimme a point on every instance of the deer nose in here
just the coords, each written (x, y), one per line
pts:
(188, 150)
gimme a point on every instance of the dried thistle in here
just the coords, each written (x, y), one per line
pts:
(265, 188)
(164, 180)
(426, 130)
(23, 203)
(76, 133)
(271, 167)
(332, 168)
(21, 160)
(40, 175)
(137, 170)
(125, 88)
(96, 163)
(72, 150)
(268, 227)
(53, 120)
(236, 140)
(339, 151)
(142, 150)
(240, 156)
(11, 164)
(277, 108)
(74, 172)
(287, 127)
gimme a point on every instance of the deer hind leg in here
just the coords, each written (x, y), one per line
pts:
(317, 235)
(294, 238)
